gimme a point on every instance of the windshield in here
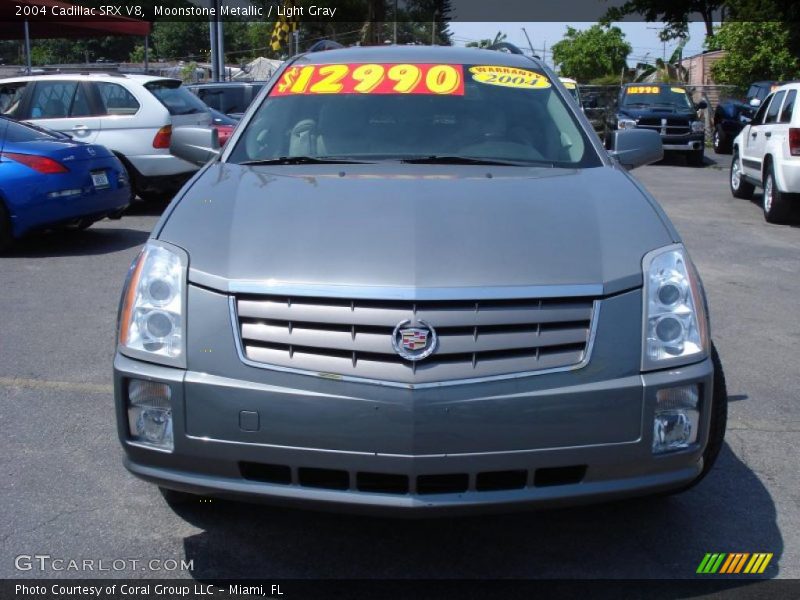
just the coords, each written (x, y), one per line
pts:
(411, 111)
(655, 95)
(176, 98)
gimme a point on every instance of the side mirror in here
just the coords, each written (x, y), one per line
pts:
(196, 145)
(701, 105)
(635, 147)
(755, 102)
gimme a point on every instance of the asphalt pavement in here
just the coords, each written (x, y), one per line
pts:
(66, 494)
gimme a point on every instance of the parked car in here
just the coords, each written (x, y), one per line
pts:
(229, 97)
(667, 109)
(766, 154)
(573, 89)
(430, 290)
(48, 180)
(223, 124)
(731, 115)
(132, 115)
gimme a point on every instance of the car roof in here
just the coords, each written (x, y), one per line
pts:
(139, 77)
(224, 84)
(656, 83)
(792, 85)
(419, 54)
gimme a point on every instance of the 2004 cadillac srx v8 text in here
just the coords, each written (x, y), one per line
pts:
(414, 282)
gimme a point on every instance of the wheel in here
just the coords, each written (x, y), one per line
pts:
(695, 158)
(80, 225)
(719, 422)
(739, 187)
(176, 498)
(5, 229)
(775, 203)
(722, 144)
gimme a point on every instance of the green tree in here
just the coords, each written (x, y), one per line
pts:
(753, 51)
(675, 14)
(592, 53)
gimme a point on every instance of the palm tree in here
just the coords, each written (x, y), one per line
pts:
(486, 43)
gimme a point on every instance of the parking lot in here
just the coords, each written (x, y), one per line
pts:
(66, 493)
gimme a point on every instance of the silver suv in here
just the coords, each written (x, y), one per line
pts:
(414, 281)
(131, 115)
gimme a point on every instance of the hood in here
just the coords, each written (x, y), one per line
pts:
(658, 111)
(417, 226)
(62, 150)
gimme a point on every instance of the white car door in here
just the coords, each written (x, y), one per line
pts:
(63, 105)
(771, 128)
(753, 140)
(779, 140)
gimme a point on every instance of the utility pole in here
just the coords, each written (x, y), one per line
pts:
(394, 30)
(433, 29)
(530, 45)
(220, 45)
(212, 31)
(663, 44)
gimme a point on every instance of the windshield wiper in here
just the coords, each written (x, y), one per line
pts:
(436, 159)
(303, 160)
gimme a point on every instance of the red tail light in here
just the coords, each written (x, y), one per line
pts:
(163, 137)
(41, 164)
(224, 132)
(794, 141)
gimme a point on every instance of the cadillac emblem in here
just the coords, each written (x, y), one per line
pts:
(414, 343)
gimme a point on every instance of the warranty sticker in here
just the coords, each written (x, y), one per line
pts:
(509, 77)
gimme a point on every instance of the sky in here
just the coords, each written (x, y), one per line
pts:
(642, 36)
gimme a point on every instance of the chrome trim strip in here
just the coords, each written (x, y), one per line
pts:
(390, 455)
(379, 292)
(413, 386)
(687, 146)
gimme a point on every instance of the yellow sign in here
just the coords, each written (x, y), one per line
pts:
(509, 77)
(678, 90)
(643, 89)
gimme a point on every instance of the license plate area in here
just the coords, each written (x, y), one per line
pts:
(100, 179)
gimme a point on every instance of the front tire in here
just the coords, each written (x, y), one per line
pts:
(775, 203)
(739, 187)
(5, 229)
(722, 145)
(696, 158)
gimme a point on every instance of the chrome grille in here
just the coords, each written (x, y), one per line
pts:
(353, 338)
(674, 126)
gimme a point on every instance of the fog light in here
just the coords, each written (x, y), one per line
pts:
(150, 413)
(676, 418)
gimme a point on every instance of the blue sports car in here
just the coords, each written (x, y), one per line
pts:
(49, 180)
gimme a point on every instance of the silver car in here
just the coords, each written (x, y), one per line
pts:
(414, 282)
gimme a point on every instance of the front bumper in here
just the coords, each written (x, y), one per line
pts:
(683, 143)
(214, 456)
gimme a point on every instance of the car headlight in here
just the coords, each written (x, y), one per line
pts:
(152, 316)
(675, 320)
(625, 123)
(698, 127)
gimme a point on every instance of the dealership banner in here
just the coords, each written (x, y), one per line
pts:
(343, 589)
(350, 11)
